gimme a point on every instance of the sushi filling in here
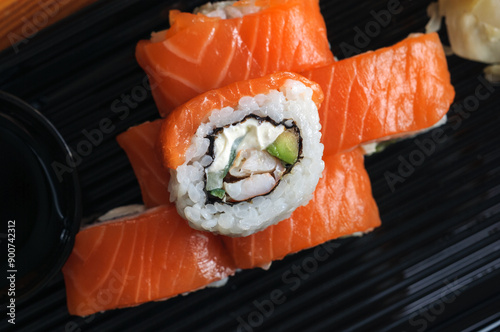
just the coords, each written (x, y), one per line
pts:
(250, 158)
(227, 9)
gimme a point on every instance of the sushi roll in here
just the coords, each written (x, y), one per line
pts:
(231, 41)
(245, 156)
(148, 256)
(389, 93)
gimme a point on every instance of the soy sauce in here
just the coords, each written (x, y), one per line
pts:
(43, 210)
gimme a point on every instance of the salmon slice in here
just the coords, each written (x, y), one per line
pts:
(149, 257)
(342, 205)
(181, 125)
(200, 53)
(384, 94)
(139, 144)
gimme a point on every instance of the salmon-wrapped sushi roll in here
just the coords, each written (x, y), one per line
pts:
(140, 257)
(231, 41)
(244, 156)
(389, 93)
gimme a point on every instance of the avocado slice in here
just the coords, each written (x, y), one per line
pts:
(285, 147)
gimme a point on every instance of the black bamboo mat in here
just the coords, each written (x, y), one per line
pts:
(434, 265)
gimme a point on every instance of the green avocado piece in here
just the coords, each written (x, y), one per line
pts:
(285, 147)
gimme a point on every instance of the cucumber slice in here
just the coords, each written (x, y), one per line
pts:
(232, 156)
(215, 180)
(219, 193)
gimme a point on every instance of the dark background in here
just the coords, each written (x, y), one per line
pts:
(432, 266)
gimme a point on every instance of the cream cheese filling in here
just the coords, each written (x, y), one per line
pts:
(254, 134)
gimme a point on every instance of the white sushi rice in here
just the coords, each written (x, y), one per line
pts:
(292, 102)
(226, 9)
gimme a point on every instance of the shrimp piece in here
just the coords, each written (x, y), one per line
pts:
(254, 185)
(253, 161)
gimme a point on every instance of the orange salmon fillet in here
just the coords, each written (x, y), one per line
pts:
(382, 94)
(148, 257)
(181, 125)
(342, 205)
(200, 53)
(139, 144)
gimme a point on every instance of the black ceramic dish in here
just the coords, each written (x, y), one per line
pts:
(433, 265)
(41, 206)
